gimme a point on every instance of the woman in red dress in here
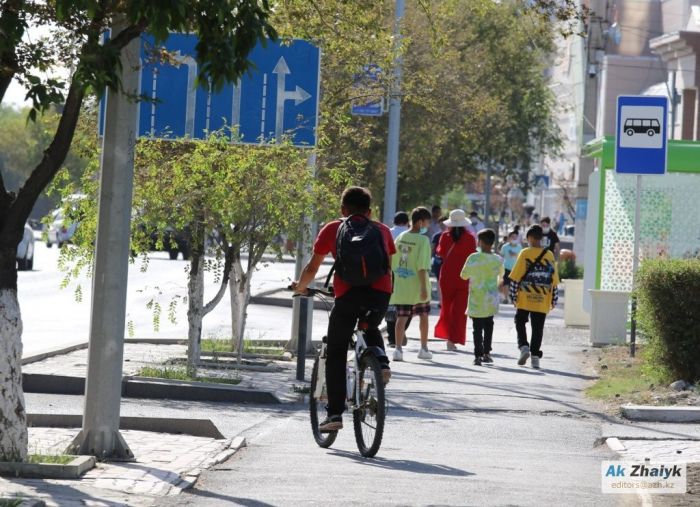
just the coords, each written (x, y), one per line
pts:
(455, 246)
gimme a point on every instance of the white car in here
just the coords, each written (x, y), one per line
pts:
(25, 250)
(60, 231)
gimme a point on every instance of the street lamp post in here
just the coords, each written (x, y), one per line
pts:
(392, 156)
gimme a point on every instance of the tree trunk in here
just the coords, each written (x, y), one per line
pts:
(195, 311)
(239, 284)
(13, 417)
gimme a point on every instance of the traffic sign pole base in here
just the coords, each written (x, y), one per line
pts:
(106, 445)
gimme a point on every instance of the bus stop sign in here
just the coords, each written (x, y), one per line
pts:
(641, 135)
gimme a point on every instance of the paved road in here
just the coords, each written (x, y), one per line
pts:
(52, 316)
(456, 435)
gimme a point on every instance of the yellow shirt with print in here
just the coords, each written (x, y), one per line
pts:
(535, 291)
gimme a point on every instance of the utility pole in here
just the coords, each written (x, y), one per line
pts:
(100, 435)
(392, 154)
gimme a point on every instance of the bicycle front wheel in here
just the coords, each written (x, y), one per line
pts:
(318, 399)
(368, 416)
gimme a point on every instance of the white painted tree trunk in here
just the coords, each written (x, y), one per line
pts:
(195, 315)
(239, 284)
(13, 417)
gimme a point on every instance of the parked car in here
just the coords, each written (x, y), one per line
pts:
(60, 230)
(25, 250)
(174, 241)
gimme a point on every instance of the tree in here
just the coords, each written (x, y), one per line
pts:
(242, 196)
(227, 29)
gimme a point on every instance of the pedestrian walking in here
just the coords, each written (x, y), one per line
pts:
(482, 270)
(533, 288)
(456, 244)
(509, 251)
(550, 239)
(401, 223)
(411, 268)
(476, 222)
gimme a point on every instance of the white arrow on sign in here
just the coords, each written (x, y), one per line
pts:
(299, 95)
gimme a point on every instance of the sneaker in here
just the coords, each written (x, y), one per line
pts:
(332, 423)
(451, 346)
(477, 361)
(487, 358)
(524, 355)
(386, 375)
(398, 354)
(424, 353)
(535, 362)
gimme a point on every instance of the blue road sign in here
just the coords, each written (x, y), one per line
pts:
(277, 97)
(640, 135)
(366, 83)
(541, 181)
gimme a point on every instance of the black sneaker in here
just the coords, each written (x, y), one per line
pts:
(487, 358)
(331, 424)
(477, 361)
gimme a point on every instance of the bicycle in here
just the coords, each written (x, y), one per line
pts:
(365, 392)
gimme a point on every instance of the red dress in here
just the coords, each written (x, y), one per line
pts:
(452, 324)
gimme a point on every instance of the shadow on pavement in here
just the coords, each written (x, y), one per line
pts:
(569, 374)
(229, 500)
(404, 465)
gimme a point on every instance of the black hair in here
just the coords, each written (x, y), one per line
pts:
(474, 214)
(457, 232)
(546, 220)
(436, 207)
(511, 233)
(487, 236)
(534, 232)
(401, 218)
(516, 229)
(356, 200)
(420, 213)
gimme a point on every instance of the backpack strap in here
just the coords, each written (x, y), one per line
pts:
(537, 261)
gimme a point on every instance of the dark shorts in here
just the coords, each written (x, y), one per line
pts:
(412, 310)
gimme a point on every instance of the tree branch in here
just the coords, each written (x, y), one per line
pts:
(228, 262)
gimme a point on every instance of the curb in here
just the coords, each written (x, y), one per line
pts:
(661, 414)
(56, 351)
(615, 445)
(189, 480)
(194, 427)
(142, 387)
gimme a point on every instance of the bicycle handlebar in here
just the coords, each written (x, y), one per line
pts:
(315, 292)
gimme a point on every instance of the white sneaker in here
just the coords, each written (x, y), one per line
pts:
(451, 346)
(398, 354)
(524, 355)
(425, 354)
(535, 361)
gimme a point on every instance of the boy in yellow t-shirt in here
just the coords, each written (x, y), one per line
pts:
(533, 288)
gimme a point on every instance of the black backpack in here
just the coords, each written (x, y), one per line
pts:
(361, 257)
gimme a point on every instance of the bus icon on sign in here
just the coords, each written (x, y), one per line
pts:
(646, 126)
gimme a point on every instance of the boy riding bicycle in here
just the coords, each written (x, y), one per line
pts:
(362, 284)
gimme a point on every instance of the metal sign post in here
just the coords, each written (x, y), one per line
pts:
(640, 148)
(100, 435)
(391, 178)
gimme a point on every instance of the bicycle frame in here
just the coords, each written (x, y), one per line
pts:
(359, 347)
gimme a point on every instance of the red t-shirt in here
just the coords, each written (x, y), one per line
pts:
(325, 244)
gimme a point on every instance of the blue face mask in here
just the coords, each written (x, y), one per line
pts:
(423, 230)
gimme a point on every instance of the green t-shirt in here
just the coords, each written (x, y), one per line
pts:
(412, 255)
(482, 270)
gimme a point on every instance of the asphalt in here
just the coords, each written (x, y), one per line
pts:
(456, 435)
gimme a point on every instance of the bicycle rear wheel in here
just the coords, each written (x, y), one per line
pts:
(317, 408)
(368, 417)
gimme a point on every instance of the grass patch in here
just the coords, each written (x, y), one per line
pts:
(215, 346)
(50, 459)
(174, 373)
(621, 376)
(13, 502)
